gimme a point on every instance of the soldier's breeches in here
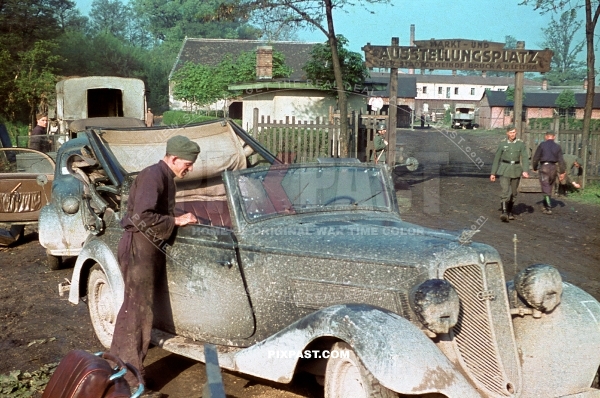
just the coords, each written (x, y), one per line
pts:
(509, 188)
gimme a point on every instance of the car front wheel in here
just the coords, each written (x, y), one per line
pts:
(346, 376)
(101, 305)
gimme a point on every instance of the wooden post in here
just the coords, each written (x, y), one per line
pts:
(518, 103)
(393, 109)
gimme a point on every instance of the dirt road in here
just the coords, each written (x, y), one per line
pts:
(450, 190)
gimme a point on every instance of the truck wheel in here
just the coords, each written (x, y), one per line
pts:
(54, 262)
(346, 376)
(101, 305)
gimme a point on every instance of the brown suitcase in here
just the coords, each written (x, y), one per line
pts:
(81, 374)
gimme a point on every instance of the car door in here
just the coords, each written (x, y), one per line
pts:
(25, 186)
(203, 295)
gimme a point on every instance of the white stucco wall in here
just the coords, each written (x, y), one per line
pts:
(304, 105)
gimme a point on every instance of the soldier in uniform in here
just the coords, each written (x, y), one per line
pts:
(510, 163)
(380, 144)
(549, 159)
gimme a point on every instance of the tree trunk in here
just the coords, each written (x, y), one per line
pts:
(339, 82)
(590, 25)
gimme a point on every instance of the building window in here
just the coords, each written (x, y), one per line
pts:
(508, 110)
(424, 89)
(440, 92)
(455, 90)
(447, 92)
(472, 90)
(562, 112)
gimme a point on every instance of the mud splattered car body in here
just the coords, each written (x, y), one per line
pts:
(310, 267)
(25, 179)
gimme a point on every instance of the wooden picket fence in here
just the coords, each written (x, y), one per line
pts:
(295, 141)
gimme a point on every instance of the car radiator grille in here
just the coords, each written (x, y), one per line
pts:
(483, 334)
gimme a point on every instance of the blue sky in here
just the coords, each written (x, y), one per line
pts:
(459, 19)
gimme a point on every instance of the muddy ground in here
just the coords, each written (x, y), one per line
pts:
(450, 190)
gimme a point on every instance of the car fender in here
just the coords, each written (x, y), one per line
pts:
(560, 351)
(395, 351)
(95, 250)
(61, 234)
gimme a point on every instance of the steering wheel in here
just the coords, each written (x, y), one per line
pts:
(341, 197)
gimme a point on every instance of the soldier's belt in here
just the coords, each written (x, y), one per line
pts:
(511, 161)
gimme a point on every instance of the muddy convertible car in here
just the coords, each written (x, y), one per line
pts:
(309, 267)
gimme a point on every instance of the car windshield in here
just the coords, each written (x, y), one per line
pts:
(291, 189)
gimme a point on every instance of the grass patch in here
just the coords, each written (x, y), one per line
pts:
(589, 195)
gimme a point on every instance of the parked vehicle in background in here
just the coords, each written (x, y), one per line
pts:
(309, 267)
(464, 117)
(98, 97)
(26, 177)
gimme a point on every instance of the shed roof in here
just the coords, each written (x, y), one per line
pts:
(537, 99)
(212, 51)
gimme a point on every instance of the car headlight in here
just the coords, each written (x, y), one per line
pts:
(540, 286)
(436, 304)
(70, 205)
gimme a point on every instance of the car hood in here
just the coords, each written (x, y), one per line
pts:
(365, 237)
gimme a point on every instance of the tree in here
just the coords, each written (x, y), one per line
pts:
(174, 20)
(592, 12)
(203, 85)
(313, 14)
(565, 101)
(34, 79)
(320, 67)
(559, 37)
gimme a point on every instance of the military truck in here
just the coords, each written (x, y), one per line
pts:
(97, 100)
(464, 116)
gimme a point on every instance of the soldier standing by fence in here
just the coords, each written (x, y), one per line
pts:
(510, 163)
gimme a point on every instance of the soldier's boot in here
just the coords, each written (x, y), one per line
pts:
(504, 216)
(547, 205)
(509, 207)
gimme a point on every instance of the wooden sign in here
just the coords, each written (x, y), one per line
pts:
(458, 54)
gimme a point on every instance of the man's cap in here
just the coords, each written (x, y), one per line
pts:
(381, 126)
(183, 148)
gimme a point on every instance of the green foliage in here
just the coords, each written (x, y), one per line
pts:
(566, 99)
(175, 20)
(34, 80)
(510, 94)
(17, 384)
(320, 67)
(448, 116)
(181, 118)
(202, 85)
(589, 195)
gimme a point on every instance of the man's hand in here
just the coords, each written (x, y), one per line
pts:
(187, 218)
(492, 178)
(562, 176)
(576, 185)
(525, 174)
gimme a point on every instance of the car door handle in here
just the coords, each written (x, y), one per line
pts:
(225, 263)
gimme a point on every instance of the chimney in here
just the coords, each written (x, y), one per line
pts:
(264, 63)
(545, 84)
(585, 83)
